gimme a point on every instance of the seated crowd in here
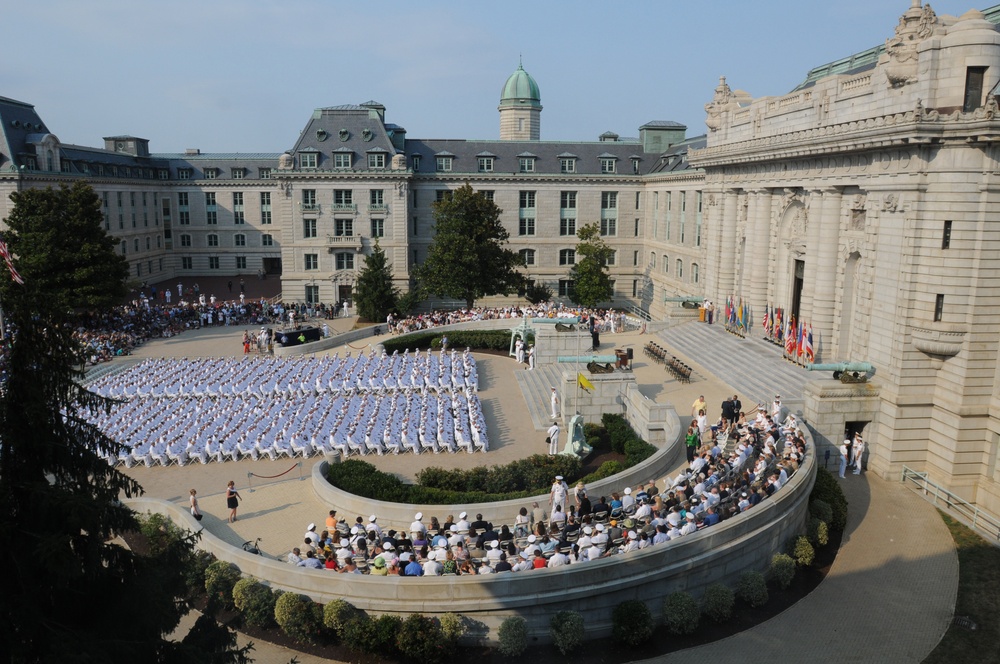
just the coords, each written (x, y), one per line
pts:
(715, 487)
(605, 320)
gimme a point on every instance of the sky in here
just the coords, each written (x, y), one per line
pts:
(245, 75)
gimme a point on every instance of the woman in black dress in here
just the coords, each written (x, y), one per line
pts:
(232, 500)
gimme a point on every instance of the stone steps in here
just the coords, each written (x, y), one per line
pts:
(751, 365)
(536, 387)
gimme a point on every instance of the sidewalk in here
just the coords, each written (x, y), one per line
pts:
(889, 597)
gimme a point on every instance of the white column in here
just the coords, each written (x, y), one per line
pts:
(759, 252)
(826, 227)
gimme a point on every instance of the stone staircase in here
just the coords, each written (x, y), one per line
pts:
(536, 387)
(752, 366)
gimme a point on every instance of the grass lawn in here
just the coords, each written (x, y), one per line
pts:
(978, 598)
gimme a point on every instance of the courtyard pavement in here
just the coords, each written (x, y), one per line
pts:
(889, 597)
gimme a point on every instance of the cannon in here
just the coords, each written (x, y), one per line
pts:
(847, 372)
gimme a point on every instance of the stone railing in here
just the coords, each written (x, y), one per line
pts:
(719, 554)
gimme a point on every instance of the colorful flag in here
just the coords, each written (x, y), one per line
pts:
(810, 351)
(583, 382)
(802, 331)
(767, 321)
(790, 336)
(5, 252)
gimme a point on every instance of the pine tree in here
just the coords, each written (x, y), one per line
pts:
(374, 294)
(469, 258)
(70, 592)
(591, 282)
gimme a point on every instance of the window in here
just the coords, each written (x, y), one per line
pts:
(343, 227)
(213, 240)
(635, 230)
(567, 165)
(308, 228)
(309, 200)
(527, 199)
(416, 162)
(939, 307)
(264, 173)
(635, 166)
(414, 198)
(307, 159)
(241, 262)
(609, 226)
(183, 211)
(567, 256)
(343, 199)
(376, 199)
(946, 236)
(526, 226)
(187, 263)
(416, 225)
(567, 226)
(342, 159)
(124, 247)
(135, 245)
(239, 240)
(210, 173)
(635, 258)
(680, 269)
(528, 256)
(376, 160)
(666, 265)
(312, 261)
(486, 164)
(565, 287)
(684, 202)
(185, 240)
(526, 164)
(267, 240)
(567, 200)
(608, 165)
(162, 173)
(265, 207)
(488, 194)
(612, 257)
(415, 262)
(312, 293)
(183, 173)
(239, 216)
(237, 173)
(213, 262)
(443, 164)
(211, 215)
(695, 273)
(974, 77)
(378, 227)
(148, 244)
(635, 288)
(609, 200)
(345, 261)
(441, 194)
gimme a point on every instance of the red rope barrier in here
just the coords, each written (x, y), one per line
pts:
(357, 347)
(271, 477)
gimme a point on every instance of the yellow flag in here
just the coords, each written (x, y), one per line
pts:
(583, 382)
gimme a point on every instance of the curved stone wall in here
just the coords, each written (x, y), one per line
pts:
(691, 563)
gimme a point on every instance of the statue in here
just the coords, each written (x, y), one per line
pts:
(576, 443)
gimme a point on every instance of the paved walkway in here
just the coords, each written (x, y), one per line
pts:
(889, 597)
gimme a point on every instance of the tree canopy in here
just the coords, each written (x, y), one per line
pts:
(469, 258)
(374, 293)
(62, 249)
(591, 281)
(70, 591)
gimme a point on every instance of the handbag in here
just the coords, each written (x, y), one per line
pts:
(197, 516)
(548, 439)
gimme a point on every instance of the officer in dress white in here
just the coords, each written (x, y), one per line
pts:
(553, 434)
(856, 451)
(554, 402)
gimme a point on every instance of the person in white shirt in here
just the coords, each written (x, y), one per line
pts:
(417, 526)
(311, 534)
(554, 402)
(553, 435)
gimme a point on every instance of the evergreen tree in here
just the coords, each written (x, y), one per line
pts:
(469, 258)
(374, 293)
(70, 592)
(591, 282)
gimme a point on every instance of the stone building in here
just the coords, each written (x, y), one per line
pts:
(864, 201)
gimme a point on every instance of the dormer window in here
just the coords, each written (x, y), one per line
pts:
(567, 165)
(485, 164)
(210, 173)
(526, 164)
(308, 159)
(444, 164)
(376, 160)
(608, 165)
(238, 173)
(416, 163)
(342, 159)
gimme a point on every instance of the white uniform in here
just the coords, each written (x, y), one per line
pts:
(554, 402)
(857, 451)
(554, 439)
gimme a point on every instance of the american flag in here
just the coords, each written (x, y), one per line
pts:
(5, 252)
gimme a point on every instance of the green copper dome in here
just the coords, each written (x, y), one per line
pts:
(520, 89)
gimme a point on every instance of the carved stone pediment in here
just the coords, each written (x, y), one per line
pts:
(916, 25)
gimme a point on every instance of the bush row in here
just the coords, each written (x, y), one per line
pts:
(495, 340)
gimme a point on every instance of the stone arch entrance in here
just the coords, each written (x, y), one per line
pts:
(791, 256)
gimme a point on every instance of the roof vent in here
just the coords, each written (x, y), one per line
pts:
(192, 151)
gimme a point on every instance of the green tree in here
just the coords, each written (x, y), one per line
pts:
(69, 589)
(469, 258)
(62, 250)
(374, 293)
(591, 283)
(537, 293)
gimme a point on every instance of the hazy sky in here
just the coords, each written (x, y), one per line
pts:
(244, 75)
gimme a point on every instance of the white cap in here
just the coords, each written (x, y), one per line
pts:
(463, 515)
(418, 516)
(372, 518)
(628, 491)
(431, 555)
(355, 530)
(344, 542)
(311, 526)
(559, 477)
(454, 527)
(404, 556)
(494, 544)
(600, 527)
(632, 535)
(532, 539)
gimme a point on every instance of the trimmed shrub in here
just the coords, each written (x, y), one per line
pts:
(597, 436)
(606, 469)
(419, 638)
(680, 613)
(299, 617)
(828, 490)
(495, 340)
(513, 636)
(567, 630)
(220, 579)
(384, 630)
(752, 588)
(453, 627)
(255, 602)
(358, 633)
(782, 570)
(717, 603)
(631, 623)
(817, 532)
(636, 451)
(803, 552)
(337, 613)
(821, 510)
(194, 571)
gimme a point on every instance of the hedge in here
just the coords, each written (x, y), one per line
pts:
(495, 340)
(828, 490)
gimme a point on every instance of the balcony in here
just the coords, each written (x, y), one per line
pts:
(310, 207)
(378, 207)
(343, 242)
(345, 207)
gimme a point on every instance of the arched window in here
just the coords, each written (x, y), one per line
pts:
(695, 276)
(528, 256)
(680, 269)
(567, 256)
